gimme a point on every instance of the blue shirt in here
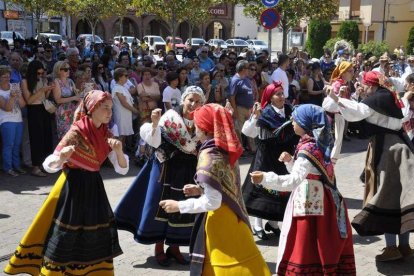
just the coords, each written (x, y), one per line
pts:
(242, 90)
(15, 76)
(207, 64)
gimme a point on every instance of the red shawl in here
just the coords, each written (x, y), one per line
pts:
(216, 120)
(91, 146)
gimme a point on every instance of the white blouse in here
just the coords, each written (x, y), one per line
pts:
(210, 200)
(353, 111)
(299, 169)
(111, 156)
(251, 130)
(151, 136)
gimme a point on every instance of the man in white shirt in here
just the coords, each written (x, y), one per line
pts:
(280, 74)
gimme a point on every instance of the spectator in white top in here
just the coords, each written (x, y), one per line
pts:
(171, 95)
(280, 74)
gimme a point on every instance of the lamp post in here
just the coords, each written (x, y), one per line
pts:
(303, 24)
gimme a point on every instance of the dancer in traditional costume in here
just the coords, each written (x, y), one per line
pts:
(75, 232)
(222, 242)
(341, 76)
(172, 165)
(275, 135)
(388, 206)
(316, 236)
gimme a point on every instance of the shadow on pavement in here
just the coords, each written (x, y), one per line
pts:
(364, 240)
(353, 203)
(3, 216)
(152, 263)
(272, 241)
(404, 267)
(272, 266)
(22, 183)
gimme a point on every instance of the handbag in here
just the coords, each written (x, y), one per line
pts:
(49, 106)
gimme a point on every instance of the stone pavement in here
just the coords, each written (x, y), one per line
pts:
(21, 198)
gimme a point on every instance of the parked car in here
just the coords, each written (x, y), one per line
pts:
(8, 35)
(217, 42)
(53, 38)
(237, 44)
(257, 45)
(179, 45)
(128, 39)
(195, 42)
(154, 42)
(89, 39)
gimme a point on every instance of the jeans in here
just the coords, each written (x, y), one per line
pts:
(11, 134)
(391, 239)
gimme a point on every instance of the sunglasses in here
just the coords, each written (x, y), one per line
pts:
(204, 51)
(40, 73)
(64, 69)
(87, 60)
(100, 67)
(252, 69)
(125, 75)
(161, 68)
(49, 51)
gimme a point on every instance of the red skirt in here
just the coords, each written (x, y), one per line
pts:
(314, 245)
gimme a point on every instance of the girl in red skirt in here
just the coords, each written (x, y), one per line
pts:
(316, 236)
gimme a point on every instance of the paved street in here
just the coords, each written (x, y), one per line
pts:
(21, 198)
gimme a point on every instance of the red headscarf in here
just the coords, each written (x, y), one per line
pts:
(269, 91)
(215, 119)
(375, 78)
(95, 149)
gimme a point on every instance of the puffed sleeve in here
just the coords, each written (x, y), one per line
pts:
(114, 160)
(250, 129)
(288, 182)
(354, 111)
(210, 200)
(150, 135)
(48, 164)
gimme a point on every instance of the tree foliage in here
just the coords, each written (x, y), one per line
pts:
(319, 31)
(376, 48)
(292, 11)
(410, 42)
(93, 11)
(349, 31)
(40, 7)
(339, 43)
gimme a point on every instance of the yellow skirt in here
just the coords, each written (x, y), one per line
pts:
(230, 247)
(28, 257)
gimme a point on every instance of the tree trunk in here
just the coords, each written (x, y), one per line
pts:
(38, 24)
(121, 26)
(190, 28)
(285, 28)
(93, 24)
(173, 25)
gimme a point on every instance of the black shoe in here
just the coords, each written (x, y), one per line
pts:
(270, 228)
(261, 234)
(162, 259)
(179, 258)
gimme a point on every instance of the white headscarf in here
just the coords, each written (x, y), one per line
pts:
(193, 90)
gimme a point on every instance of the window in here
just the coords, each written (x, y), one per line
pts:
(355, 8)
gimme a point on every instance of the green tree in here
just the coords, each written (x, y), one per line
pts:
(292, 11)
(410, 42)
(93, 11)
(176, 11)
(376, 48)
(330, 44)
(40, 7)
(349, 31)
(319, 31)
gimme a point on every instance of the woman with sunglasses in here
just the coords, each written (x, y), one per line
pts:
(99, 76)
(195, 72)
(35, 90)
(65, 97)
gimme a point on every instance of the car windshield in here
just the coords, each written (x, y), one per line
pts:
(197, 41)
(55, 37)
(220, 41)
(178, 41)
(158, 39)
(7, 35)
(97, 38)
(240, 42)
(260, 42)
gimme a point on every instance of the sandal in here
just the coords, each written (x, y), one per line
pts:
(38, 173)
(12, 173)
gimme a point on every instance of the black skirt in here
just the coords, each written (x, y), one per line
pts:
(83, 229)
(261, 202)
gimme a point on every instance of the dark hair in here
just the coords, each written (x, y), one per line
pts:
(315, 66)
(291, 72)
(178, 73)
(146, 70)
(222, 57)
(119, 72)
(31, 74)
(95, 71)
(410, 78)
(282, 59)
(124, 54)
(203, 74)
(47, 46)
(160, 65)
(171, 76)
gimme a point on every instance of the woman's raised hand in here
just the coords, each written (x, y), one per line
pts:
(155, 117)
(285, 157)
